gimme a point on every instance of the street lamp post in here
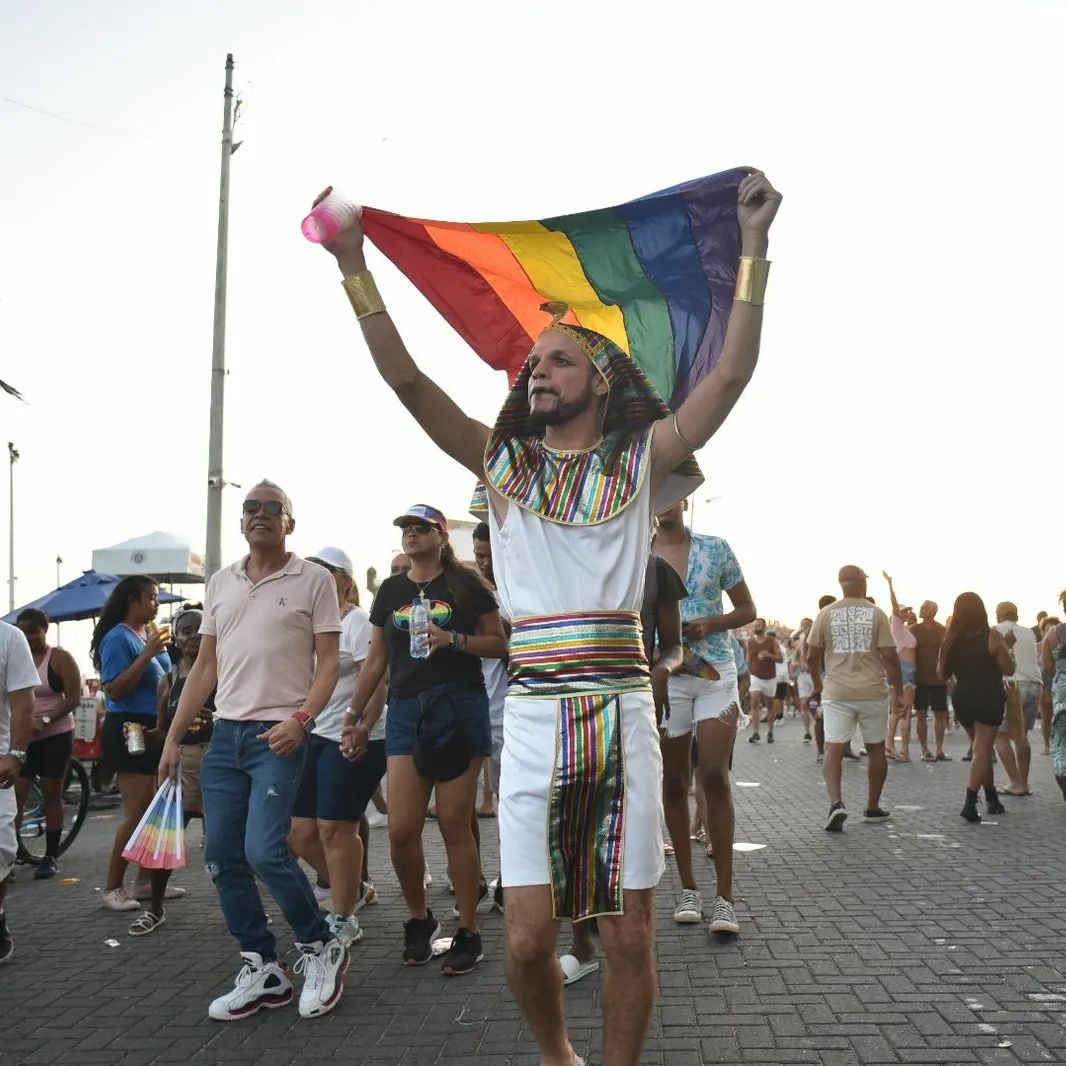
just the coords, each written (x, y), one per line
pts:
(13, 457)
(59, 563)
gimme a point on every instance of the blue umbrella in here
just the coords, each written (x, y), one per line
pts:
(84, 597)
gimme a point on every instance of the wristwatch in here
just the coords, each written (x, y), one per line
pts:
(15, 753)
(305, 720)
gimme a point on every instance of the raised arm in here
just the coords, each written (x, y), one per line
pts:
(892, 593)
(714, 397)
(454, 432)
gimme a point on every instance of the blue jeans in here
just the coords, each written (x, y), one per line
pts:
(248, 795)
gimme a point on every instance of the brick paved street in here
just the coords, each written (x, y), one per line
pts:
(924, 941)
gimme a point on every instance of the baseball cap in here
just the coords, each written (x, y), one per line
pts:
(421, 512)
(334, 558)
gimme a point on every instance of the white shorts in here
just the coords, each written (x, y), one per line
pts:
(528, 766)
(695, 699)
(8, 841)
(804, 685)
(841, 716)
(765, 686)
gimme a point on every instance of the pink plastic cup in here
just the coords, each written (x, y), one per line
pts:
(328, 218)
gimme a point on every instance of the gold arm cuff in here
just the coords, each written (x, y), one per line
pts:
(751, 280)
(363, 294)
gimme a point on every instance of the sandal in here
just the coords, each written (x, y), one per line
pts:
(146, 923)
(927, 756)
(574, 969)
(942, 758)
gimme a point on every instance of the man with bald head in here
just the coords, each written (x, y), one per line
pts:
(931, 693)
(852, 640)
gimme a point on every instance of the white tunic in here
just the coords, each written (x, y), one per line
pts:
(544, 567)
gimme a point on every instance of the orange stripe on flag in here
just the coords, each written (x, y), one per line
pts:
(496, 263)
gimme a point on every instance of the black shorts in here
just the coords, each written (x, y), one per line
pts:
(48, 758)
(783, 690)
(931, 697)
(979, 712)
(117, 760)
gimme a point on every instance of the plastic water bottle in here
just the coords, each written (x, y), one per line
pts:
(328, 218)
(419, 628)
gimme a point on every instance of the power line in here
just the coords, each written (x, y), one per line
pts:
(78, 122)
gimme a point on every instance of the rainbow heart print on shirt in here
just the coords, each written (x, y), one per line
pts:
(440, 614)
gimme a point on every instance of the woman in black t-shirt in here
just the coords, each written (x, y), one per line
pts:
(464, 628)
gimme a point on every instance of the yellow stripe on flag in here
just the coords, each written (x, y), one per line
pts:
(553, 266)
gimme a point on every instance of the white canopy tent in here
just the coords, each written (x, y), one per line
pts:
(166, 557)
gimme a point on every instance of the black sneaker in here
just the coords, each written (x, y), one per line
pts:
(837, 817)
(876, 814)
(418, 937)
(849, 754)
(47, 868)
(464, 954)
(754, 738)
(7, 945)
(482, 895)
(497, 898)
(769, 738)
(806, 738)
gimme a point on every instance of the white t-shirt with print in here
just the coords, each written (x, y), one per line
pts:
(1026, 667)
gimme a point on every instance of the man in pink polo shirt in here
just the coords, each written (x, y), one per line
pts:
(271, 635)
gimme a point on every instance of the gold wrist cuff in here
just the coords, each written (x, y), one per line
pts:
(751, 280)
(363, 294)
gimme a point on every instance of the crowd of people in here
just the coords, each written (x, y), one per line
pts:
(589, 659)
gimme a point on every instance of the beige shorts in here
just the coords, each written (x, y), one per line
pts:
(840, 718)
(191, 757)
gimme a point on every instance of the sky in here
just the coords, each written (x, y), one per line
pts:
(903, 413)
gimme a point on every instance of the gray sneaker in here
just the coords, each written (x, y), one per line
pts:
(723, 917)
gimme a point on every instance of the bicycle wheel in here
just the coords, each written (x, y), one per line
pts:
(31, 837)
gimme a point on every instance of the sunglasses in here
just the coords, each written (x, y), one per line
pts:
(271, 507)
(421, 528)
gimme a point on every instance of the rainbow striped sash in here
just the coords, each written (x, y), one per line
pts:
(571, 654)
(586, 817)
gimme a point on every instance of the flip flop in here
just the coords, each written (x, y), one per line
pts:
(928, 757)
(1011, 792)
(574, 969)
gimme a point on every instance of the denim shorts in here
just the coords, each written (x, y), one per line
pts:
(470, 706)
(334, 788)
(910, 674)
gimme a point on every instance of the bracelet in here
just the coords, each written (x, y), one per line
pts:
(363, 294)
(305, 720)
(681, 437)
(751, 280)
(458, 641)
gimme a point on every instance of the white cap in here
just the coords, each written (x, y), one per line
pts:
(334, 558)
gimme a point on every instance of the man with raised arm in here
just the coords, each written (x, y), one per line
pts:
(582, 455)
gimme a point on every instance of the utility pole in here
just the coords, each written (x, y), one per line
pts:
(13, 457)
(215, 479)
(59, 563)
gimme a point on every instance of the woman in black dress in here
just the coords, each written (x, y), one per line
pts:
(979, 658)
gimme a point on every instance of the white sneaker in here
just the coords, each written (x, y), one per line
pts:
(322, 895)
(118, 899)
(259, 985)
(723, 917)
(346, 930)
(427, 877)
(375, 819)
(323, 967)
(689, 909)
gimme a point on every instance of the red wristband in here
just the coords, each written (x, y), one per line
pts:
(305, 720)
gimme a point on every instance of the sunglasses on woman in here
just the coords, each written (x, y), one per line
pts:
(420, 528)
(271, 507)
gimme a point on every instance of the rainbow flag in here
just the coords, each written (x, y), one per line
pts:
(655, 275)
(158, 842)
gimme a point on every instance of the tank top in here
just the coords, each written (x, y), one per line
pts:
(47, 700)
(978, 678)
(764, 669)
(546, 567)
